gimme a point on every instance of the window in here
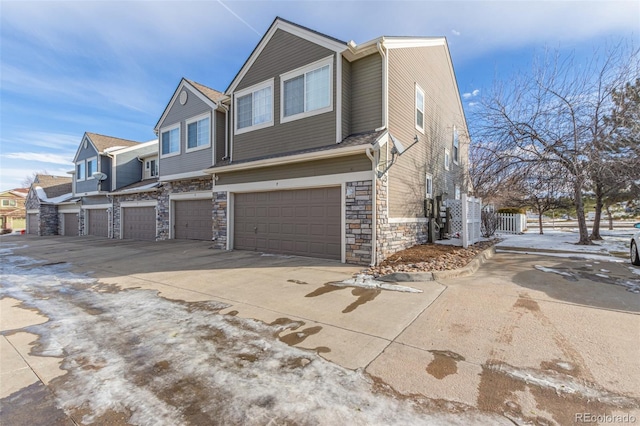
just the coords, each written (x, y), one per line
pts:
(92, 167)
(306, 91)
(198, 133)
(456, 146)
(80, 171)
(428, 185)
(9, 203)
(456, 190)
(171, 142)
(446, 159)
(254, 107)
(419, 109)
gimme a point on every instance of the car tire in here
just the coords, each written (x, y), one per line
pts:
(635, 259)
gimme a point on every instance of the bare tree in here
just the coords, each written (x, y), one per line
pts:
(28, 180)
(554, 116)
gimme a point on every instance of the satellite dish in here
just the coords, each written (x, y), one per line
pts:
(397, 146)
(99, 176)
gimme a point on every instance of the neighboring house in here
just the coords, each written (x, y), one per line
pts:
(192, 134)
(12, 215)
(45, 195)
(333, 147)
(103, 164)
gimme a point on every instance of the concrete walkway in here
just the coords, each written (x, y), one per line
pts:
(511, 339)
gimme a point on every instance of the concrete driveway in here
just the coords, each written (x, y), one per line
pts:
(526, 339)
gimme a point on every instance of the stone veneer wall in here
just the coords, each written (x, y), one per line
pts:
(118, 199)
(393, 237)
(48, 220)
(176, 187)
(358, 215)
(220, 220)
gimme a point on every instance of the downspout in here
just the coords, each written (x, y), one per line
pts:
(385, 84)
(226, 128)
(374, 222)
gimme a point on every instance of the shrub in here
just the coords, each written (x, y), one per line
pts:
(489, 223)
(512, 210)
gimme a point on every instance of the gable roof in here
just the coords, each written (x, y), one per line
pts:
(16, 192)
(313, 36)
(208, 95)
(52, 186)
(102, 142)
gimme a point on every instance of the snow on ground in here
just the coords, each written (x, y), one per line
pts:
(170, 362)
(369, 281)
(615, 243)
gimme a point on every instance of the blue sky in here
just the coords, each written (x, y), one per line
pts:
(110, 67)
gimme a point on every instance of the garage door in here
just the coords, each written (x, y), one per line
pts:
(193, 220)
(70, 224)
(32, 219)
(303, 222)
(98, 222)
(139, 223)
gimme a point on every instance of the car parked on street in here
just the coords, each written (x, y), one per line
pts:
(633, 248)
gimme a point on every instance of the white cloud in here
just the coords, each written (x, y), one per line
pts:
(469, 95)
(41, 157)
(456, 33)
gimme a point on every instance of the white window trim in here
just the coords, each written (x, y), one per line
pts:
(415, 109)
(428, 177)
(168, 129)
(86, 167)
(248, 90)
(194, 120)
(147, 168)
(456, 136)
(447, 159)
(84, 171)
(298, 72)
(456, 192)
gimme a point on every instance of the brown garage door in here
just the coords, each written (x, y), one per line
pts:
(193, 220)
(32, 218)
(70, 224)
(303, 222)
(139, 223)
(98, 222)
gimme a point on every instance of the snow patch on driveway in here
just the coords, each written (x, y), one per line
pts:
(170, 362)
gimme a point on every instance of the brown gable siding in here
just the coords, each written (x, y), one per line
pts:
(429, 67)
(285, 52)
(366, 94)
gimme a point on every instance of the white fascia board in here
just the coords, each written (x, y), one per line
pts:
(33, 211)
(64, 208)
(193, 195)
(409, 42)
(180, 176)
(309, 156)
(132, 191)
(133, 148)
(183, 83)
(292, 29)
(295, 183)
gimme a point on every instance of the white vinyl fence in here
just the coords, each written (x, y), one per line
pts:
(512, 223)
(466, 219)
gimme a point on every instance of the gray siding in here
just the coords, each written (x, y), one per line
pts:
(186, 161)
(105, 167)
(83, 154)
(429, 67)
(87, 152)
(285, 52)
(352, 163)
(129, 168)
(97, 199)
(366, 93)
(346, 98)
(220, 135)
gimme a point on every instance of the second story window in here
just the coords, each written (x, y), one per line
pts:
(428, 185)
(198, 133)
(170, 142)
(446, 159)
(150, 168)
(419, 109)
(456, 146)
(80, 171)
(92, 167)
(9, 203)
(254, 107)
(306, 91)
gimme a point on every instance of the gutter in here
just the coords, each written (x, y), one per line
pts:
(374, 220)
(385, 83)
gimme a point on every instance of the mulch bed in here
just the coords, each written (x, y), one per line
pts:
(429, 257)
